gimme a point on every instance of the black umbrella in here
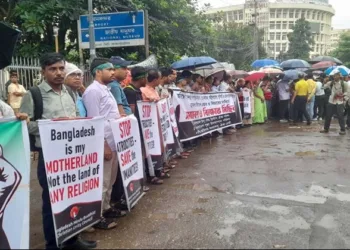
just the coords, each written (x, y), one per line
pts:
(8, 40)
(325, 59)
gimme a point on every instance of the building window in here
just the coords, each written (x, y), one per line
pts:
(297, 14)
(240, 15)
(272, 25)
(284, 25)
(278, 25)
(284, 47)
(278, 47)
(272, 36)
(303, 14)
(285, 11)
(318, 15)
(308, 14)
(322, 17)
(284, 36)
(291, 25)
(313, 15)
(279, 14)
(278, 36)
(272, 14)
(291, 13)
(322, 26)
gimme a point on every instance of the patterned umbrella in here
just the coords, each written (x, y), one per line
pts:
(325, 59)
(271, 70)
(264, 62)
(295, 64)
(237, 73)
(254, 76)
(323, 65)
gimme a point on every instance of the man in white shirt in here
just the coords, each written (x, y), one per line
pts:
(16, 92)
(320, 99)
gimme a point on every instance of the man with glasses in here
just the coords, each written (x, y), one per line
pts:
(74, 81)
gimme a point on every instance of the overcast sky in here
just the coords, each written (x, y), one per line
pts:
(341, 20)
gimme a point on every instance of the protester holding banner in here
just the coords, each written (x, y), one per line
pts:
(164, 82)
(99, 101)
(133, 95)
(55, 102)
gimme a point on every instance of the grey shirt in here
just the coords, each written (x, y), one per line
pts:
(55, 105)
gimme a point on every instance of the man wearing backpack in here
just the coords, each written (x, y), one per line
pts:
(336, 105)
(50, 100)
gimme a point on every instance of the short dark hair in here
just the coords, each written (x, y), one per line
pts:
(227, 77)
(50, 58)
(152, 75)
(137, 73)
(166, 71)
(186, 74)
(13, 72)
(97, 62)
(195, 77)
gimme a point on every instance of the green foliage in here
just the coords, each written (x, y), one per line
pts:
(301, 40)
(342, 52)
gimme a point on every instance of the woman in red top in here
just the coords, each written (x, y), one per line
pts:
(266, 87)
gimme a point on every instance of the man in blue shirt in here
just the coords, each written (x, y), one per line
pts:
(120, 73)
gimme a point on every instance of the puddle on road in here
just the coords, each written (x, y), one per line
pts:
(198, 211)
(198, 187)
(226, 232)
(306, 153)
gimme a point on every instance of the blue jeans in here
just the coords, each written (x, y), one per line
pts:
(310, 107)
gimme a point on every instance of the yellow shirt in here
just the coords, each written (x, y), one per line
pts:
(15, 101)
(302, 88)
(312, 87)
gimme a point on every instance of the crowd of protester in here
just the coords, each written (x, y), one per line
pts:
(115, 92)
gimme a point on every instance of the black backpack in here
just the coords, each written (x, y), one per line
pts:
(38, 108)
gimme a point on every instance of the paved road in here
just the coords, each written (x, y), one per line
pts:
(266, 186)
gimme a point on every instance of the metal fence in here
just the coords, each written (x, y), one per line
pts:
(28, 70)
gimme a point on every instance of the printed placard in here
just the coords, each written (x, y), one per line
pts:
(127, 139)
(14, 184)
(73, 155)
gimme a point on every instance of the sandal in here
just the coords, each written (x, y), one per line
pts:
(173, 162)
(185, 153)
(106, 224)
(156, 181)
(164, 176)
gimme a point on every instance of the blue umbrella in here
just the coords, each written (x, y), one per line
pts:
(291, 75)
(344, 71)
(264, 62)
(294, 64)
(193, 62)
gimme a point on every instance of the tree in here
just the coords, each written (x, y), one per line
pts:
(342, 52)
(300, 40)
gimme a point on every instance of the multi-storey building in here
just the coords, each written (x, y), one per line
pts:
(335, 37)
(278, 17)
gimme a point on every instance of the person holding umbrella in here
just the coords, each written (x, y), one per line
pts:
(336, 104)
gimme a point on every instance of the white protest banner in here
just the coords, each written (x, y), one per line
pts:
(164, 117)
(203, 113)
(247, 101)
(172, 116)
(127, 139)
(14, 184)
(151, 134)
(73, 155)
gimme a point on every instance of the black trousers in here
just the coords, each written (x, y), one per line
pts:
(319, 106)
(48, 225)
(333, 109)
(348, 115)
(283, 109)
(118, 188)
(300, 108)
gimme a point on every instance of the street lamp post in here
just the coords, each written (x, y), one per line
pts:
(55, 33)
(91, 32)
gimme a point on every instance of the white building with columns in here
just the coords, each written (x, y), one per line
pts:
(278, 17)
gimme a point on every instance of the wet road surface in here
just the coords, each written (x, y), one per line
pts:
(268, 186)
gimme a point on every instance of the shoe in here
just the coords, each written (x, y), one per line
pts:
(82, 244)
(283, 121)
(308, 123)
(232, 130)
(114, 213)
(325, 131)
(348, 128)
(89, 230)
(342, 133)
(145, 189)
(314, 119)
(106, 224)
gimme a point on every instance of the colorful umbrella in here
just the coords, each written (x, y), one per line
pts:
(323, 65)
(291, 75)
(254, 76)
(237, 73)
(193, 62)
(271, 70)
(344, 71)
(295, 64)
(264, 62)
(325, 59)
